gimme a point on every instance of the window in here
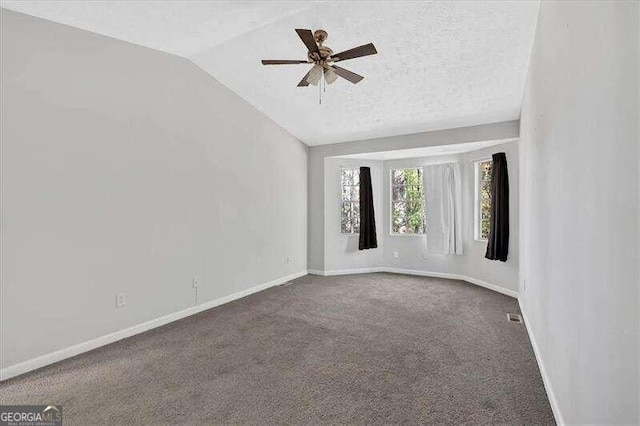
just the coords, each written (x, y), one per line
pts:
(350, 213)
(483, 199)
(407, 201)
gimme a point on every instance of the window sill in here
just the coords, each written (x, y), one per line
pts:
(480, 240)
(342, 234)
(399, 234)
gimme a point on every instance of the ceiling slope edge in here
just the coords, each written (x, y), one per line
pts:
(200, 69)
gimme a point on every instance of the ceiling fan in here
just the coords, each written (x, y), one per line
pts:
(323, 59)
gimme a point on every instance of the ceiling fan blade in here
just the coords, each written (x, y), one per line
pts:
(308, 39)
(304, 82)
(356, 52)
(282, 62)
(346, 74)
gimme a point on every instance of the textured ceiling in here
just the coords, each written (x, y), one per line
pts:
(183, 28)
(440, 64)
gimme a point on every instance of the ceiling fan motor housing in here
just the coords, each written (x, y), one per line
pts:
(325, 52)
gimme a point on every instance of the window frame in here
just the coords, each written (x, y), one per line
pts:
(406, 234)
(342, 168)
(477, 211)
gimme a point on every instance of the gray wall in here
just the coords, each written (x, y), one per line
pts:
(317, 154)
(125, 169)
(341, 251)
(472, 263)
(410, 248)
(579, 146)
(503, 274)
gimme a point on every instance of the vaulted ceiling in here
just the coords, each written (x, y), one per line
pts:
(439, 64)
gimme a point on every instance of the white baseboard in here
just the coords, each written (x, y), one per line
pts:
(468, 279)
(59, 355)
(545, 379)
(494, 287)
(346, 271)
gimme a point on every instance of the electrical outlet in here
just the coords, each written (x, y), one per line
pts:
(396, 255)
(121, 300)
(195, 282)
(288, 259)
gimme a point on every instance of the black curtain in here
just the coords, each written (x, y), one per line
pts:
(498, 245)
(368, 238)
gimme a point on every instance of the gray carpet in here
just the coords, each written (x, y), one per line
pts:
(371, 348)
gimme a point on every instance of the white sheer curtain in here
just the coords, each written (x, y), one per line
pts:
(443, 209)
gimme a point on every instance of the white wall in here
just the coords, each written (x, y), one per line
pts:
(472, 263)
(125, 169)
(580, 143)
(341, 251)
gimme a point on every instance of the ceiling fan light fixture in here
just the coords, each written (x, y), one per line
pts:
(330, 76)
(314, 75)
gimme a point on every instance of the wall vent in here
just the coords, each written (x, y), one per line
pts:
(514, 318)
